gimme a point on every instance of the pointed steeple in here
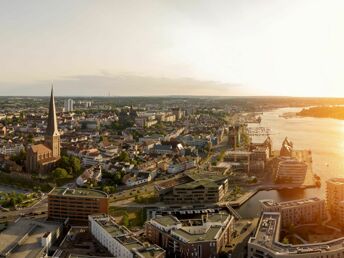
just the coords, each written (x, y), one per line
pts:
(52, 120)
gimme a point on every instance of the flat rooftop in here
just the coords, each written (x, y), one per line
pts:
(272, 203)
(339, 181)
(167, 220)
(30, 246)
(149, 252)
(120, 233)
(267, 235)
(78, 192)
(206, 183)
(198, 228)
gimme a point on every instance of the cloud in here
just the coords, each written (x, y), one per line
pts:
(121, 85)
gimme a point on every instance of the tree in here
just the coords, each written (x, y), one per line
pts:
(63, 162)
(19, 158)
(285, 241)
(124, 157)
(75, 165)
(125, 219)
(59, 173)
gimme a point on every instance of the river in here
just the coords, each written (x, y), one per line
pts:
(325, 137)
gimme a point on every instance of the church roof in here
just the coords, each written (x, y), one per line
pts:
(40, 148)
(52, 120)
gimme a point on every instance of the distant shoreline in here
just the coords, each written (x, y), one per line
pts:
(334, 112)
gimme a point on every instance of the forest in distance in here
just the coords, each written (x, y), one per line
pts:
(336, 112)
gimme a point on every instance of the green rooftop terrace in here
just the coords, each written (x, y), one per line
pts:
(79, 192)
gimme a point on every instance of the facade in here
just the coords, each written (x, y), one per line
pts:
(118, 240)
(335, 198)
(203, 236)
(266, 244)
(291, 171)
(297, 212)
(43, 157)
(76, 204)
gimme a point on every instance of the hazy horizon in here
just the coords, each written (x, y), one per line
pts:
(164, 48)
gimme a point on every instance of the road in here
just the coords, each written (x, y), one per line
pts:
(38, 208)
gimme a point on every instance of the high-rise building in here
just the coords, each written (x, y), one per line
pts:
(42, 157)
(335, 198)
(69, 105)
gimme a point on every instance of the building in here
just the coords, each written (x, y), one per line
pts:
(119, 241)
(29, 238)
(290, 170)
(145, 120)
(11, 149)
(92, 174)
(287, 148)
(76, 204)
(68, 105)
(235, 133)
(199, 235)
(3, 130)
(266, 244)
(178, 112)
(92, 125)
(43, 157)
(297, 212)
(335, 198)
(193, 189)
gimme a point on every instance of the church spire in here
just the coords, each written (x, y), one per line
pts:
(52, 120)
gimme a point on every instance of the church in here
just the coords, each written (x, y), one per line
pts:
(41, 158)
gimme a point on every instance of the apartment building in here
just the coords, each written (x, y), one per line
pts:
(193, 189)
(202, 236)
(297, 212)
(335, 198)
(291, 171)
(266, 244)
(118, 240)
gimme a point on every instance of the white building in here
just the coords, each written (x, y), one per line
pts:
(68, 105)
(118, 240)
(91, 174)
(177, 167)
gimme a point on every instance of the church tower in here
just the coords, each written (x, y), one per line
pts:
(52, 136)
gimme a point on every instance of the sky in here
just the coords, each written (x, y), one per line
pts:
(142, 47)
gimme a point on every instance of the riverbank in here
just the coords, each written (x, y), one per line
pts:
(335, 112)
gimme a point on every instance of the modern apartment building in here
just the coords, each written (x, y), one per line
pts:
(335, 198)
(291, 171)
(76, 204)
(193, 189)
(119, 241)
(202, 236)
(266, 244)
(297, 212)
